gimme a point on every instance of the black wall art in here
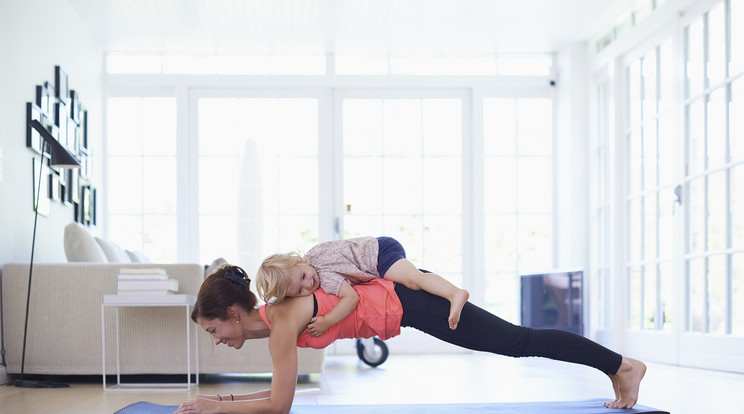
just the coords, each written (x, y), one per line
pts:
(61, 111)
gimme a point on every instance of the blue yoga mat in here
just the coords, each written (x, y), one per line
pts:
(560, 407)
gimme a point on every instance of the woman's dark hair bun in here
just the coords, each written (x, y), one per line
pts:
(229, 285)
(237, 276)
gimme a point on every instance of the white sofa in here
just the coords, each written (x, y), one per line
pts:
(64, 328)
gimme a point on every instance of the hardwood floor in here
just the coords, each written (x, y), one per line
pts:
(440, 378)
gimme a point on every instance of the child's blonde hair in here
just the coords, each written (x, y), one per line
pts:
(272, 279)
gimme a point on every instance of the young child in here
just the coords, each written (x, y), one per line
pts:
(336, 265)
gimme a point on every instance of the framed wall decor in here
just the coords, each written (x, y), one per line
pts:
(54, 130)
(84, 130)
(75, 106)
(44, 206)
(63, 189)
(45, 98)
(48, 122)
(60, 120)
(54, 188)
(79, 141)
(77, 206)
(93, 205)
(84, 166)
(73, 183)
(62, 90)
(61, 111)
(33, 139)
(85, 202)
(72, 137)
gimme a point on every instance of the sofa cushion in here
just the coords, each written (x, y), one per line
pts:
(114, 253)
(80, 246)
(137, 257)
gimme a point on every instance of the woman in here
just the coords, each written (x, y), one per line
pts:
(226, 309)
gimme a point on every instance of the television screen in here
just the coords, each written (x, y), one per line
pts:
(553, 300)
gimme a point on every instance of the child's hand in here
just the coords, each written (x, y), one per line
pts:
(318, 325)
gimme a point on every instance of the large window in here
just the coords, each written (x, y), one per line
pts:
(258, 177)
(402, 174)
(678, 174)
(650, 192)
(279, 163)
(714, 171)
(518, 196)
(141, 171)
(601, 269)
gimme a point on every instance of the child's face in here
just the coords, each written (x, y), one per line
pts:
(304, 280)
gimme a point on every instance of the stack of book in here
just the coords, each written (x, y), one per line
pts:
(139, 281)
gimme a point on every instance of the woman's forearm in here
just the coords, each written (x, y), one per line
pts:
(211, 404)
(256, 406)
(239, 397)
(254, 395)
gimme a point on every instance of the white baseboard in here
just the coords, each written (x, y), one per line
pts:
(4, 375)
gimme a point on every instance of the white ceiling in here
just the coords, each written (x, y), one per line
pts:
(346, 27)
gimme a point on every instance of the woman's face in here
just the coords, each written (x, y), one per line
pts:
(226, 332)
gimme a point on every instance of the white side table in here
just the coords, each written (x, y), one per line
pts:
(146, 300)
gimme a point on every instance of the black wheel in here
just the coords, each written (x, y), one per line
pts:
(375, 356)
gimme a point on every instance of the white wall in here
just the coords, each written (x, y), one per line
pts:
(36, 35)
(572, 166)
(572, 156)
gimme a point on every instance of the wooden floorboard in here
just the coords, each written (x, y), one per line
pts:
(446, 378)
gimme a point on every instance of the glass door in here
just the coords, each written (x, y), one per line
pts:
(684, 250)
(518, 190)
(402, 174)
(258, 174)
(141, 132)
(713, 186)
(400, 169)
(651, 178)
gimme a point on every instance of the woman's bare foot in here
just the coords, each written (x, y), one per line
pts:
(456, 304)
(626, 383)
(616, 388)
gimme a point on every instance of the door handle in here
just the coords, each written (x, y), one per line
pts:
(677, 198)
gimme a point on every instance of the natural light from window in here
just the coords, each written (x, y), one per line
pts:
(142, 175)
(403, 177)
(518, 196)
(258, 178)
(506, 65)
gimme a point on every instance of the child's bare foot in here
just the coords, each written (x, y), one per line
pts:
(456, 304)
(626, 383)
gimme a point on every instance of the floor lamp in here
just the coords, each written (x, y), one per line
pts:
(61, 158)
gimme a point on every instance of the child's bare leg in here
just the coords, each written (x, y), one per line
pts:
(626, 383)
(404, 272)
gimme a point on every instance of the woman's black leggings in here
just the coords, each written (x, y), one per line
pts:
(481, 330)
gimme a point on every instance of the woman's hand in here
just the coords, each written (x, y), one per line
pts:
(198, 405)
(318, 325)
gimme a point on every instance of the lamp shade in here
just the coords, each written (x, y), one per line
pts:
(61, 157)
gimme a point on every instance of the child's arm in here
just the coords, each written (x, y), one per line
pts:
(347, 301)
